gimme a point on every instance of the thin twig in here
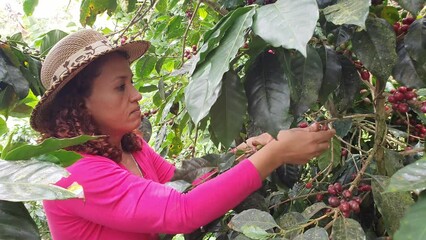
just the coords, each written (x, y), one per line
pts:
(187, 30)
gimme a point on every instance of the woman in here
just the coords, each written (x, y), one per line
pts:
(90, 91)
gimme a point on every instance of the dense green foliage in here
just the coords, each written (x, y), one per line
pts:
(218, 72)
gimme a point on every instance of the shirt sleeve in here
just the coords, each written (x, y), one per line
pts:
(120, 200)
(163, 169)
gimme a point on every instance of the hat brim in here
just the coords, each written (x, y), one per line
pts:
(134, 49)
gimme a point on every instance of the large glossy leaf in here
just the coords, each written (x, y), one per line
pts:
(252, 217)
(204, 88)
(412, 225)
(227, 114)
(12, 76)
(347, 229)
(332, 70)
(50, 39)
(349, 86)
(415, 41)
(60, 157)
(413, 6)
(348, 12)
(89, 9)
(16, 222)
(29, 6)
(392, 206)
(31, 180)
(411, 177)
(287, 23)
(313, 209)
(393, 161)
(49, 145)
(406, 71)
(192, 169)
(305, 80)
(213, 37)
(344, 33)
(268, 94)
(315, 233)
(375, 47)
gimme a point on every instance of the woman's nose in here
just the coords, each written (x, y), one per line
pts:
(136, 95)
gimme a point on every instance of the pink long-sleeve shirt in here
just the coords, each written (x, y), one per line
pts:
(120, 205)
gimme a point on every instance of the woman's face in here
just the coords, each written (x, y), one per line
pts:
(113, 103)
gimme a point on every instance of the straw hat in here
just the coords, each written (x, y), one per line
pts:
(69, 56)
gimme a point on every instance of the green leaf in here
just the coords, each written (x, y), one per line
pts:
(342, 126)
(349, 86)
(392, 205)
(268, 94)
(12, 76)
(161, 6)
(412, 225)
(48, 145)
(127, 5)
(50, 39)
(413, 6)
(192, 169)
(290, 222)
(305, 80)
(332, 70)
(144, 66)
(255, 232)
(31, 180)
(347, 228)
(287, 23)
(227, 114)
(313, 209)
(3, 126)
(315, 233)
(29, 6)
(393, 161)
(415, 41)
(232, 4)
(375, 47)
(252, 217)
(406, 71)
(89, 9)
(204, 88)
(331, 154)
(60, 157)
(390, 14)
(411, 177)
(348, 12)
(16, 222)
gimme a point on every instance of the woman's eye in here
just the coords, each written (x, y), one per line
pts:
(122, 87)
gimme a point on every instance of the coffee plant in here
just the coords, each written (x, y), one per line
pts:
(220, 72)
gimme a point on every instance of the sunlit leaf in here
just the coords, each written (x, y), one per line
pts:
(287, 23)
(348, 12)
(29, 6)
(50, 39)
(392, 205)
(31, 180)
(410, 178)
(144, 66)
(252, 217)
(89, 9)
(204, 88)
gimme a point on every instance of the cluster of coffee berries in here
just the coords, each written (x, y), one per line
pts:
(402, 27)
(343, 198)
(399, 99)
(189, 52)
(417, 129)
(363, 72)
(123, 40)
(188, 13)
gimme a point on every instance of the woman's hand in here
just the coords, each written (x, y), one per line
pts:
(293, 146)
(253, 143)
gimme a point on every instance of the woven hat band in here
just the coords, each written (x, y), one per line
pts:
(82, 56)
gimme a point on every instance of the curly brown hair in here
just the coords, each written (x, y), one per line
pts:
(67, 116)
